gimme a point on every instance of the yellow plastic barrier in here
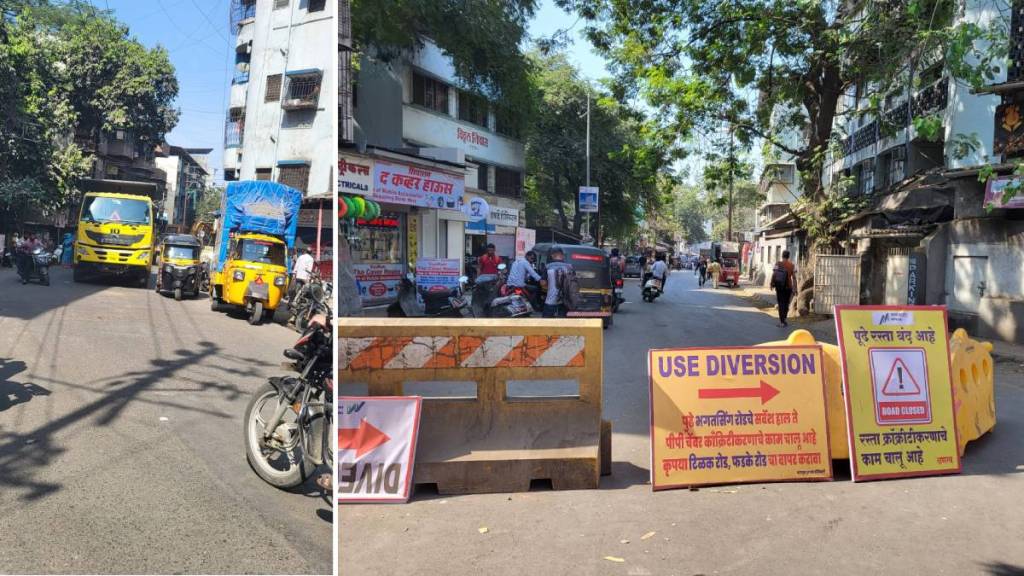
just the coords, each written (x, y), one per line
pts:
(973, 387)
(492, 442)
(973, 390)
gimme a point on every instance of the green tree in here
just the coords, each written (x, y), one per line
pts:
(700, 63)
(482, 37)
(626, 161)
(69, 72)
(689, 211)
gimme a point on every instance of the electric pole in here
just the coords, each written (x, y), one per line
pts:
(731, 167)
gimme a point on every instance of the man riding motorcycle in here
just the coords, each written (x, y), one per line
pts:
(517, 278)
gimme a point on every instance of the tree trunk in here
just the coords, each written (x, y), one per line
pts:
(825, 85)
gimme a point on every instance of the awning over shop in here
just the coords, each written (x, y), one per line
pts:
(923, 200)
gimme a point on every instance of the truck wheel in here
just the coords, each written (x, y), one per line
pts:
(257, 314)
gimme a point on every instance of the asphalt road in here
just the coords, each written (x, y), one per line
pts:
(967, 524)
(121, 438)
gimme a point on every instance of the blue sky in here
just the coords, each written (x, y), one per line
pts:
(196, 34)
(550, 19)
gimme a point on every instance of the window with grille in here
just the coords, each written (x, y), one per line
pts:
(234, 128)
(273, 88)
(294, 175)
(508, 182)
(264, 173)
(473, 108)
(316, 5)
(303, 91)
(429, 93)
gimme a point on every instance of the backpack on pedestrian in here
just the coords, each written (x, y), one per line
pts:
(780, 277)
(568, 287)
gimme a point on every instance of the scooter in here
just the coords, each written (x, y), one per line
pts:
(653, 288)
(617, 297)
(491, 298)
(441, 303)
(34, 266)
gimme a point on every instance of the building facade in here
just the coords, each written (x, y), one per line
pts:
(430, 153)
(187, 174)
(280, 122)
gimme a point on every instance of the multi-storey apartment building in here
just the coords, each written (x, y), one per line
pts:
(280, 122)
(187, 176)
(411, 118)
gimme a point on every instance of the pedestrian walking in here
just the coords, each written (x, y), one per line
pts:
(702, 271)
(557, 267)
(783, 282)
(714, 270)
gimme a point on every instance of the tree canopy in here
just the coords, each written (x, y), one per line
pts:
(68, 73)
(627, 163)
(702, 63)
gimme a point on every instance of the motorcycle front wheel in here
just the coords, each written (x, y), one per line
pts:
(279, 461)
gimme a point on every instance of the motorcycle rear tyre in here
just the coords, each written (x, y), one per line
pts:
(295, 477)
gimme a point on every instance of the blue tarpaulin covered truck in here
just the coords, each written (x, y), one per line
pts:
(255, 235)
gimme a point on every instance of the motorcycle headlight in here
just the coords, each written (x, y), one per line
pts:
(238, 275)
(279, 281)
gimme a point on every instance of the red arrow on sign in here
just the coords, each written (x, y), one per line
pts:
(364, 439)
(766, 392)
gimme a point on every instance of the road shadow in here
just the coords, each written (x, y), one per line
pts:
(29, 301)
(13, 393)
(23, 455)
(1003, 569)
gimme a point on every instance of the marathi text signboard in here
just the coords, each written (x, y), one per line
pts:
(437, 274)
(503, 216)
(731, 415)
(525, 239)
(588, 199)
(898, 391)
(376, 447)
(355, 175)
(378, 281)
(404, 184)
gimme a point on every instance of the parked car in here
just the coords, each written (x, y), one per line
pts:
(633, 269)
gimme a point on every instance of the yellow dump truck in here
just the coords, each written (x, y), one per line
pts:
(116, 231)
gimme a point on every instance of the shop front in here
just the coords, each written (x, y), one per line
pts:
(415, 204)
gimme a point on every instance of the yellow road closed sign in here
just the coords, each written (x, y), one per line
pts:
(898, 391)
(729, 415)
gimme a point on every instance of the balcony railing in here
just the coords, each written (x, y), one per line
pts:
(344, 24)
(233, 133)
(302, 91)
(240, 77)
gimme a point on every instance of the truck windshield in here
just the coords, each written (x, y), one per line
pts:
(181, 253)
(262, 251)
(123, 210)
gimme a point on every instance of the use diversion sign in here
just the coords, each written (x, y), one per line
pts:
(898, 391)
(727, 415)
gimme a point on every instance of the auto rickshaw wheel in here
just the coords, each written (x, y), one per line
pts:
(177, 294)
(257, 313)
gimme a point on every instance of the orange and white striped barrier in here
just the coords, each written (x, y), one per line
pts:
(493, 442)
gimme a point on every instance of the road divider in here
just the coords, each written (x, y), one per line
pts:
(493, 441)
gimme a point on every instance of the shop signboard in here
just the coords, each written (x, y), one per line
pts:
(898, 391)
(437, 274)
(478, 211)
(724, 415)
(413, 186)
(355, 175)
(378, 282)
(525, 239)
(996, 189)
(503, 216)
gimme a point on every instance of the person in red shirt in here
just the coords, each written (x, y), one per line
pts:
(488, 263)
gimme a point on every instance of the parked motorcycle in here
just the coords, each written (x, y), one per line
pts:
(652, 289)
(491, 298)
(311, 299)
(289, 419)
(443, 303)
(34, 266)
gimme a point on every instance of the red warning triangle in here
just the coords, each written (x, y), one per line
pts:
(900, 381)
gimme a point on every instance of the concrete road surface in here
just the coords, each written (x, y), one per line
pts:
(967, 524)
(121, 438)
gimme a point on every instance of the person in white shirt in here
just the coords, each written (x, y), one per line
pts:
(302, 270)
(659, 270)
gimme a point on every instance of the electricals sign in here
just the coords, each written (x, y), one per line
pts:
(898, 391)
(728, 415)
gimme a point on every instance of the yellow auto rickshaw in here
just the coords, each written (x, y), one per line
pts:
(178, 268)
(254, 276)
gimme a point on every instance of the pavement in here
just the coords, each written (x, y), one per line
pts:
(965, 524)
(121, 447)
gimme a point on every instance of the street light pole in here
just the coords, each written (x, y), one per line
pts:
(588, 155)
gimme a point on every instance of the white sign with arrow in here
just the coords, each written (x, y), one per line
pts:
(377, 447)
